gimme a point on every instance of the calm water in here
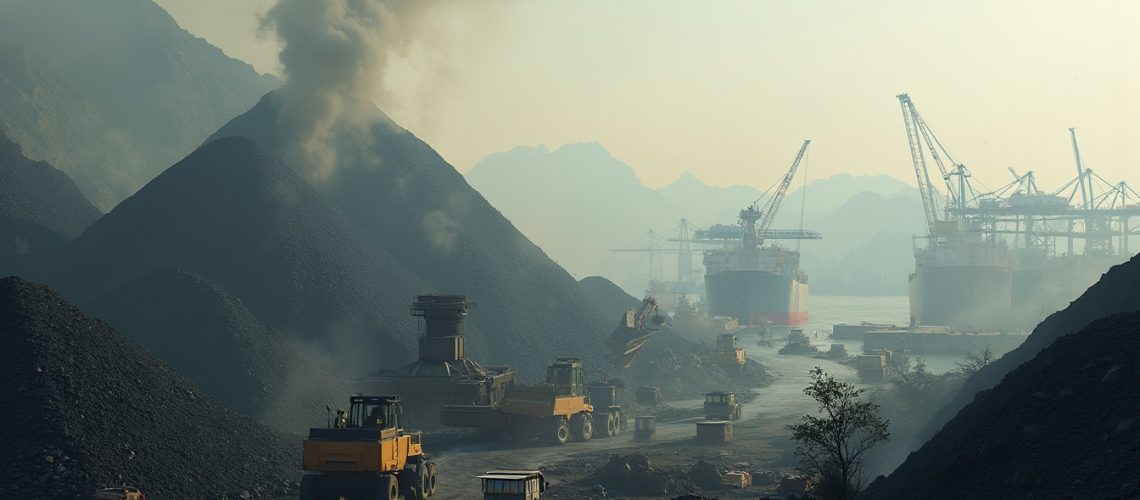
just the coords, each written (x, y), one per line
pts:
(827, 310)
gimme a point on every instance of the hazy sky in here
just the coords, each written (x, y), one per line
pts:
(729, 89)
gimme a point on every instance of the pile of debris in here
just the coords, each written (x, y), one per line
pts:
(88, 408)
(635, 475)
(1065, 424)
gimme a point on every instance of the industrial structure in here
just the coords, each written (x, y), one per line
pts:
(989, 252)
(442, 374)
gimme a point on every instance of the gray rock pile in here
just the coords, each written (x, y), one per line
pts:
(85, 407)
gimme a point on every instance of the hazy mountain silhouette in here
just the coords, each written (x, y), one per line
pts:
(579, 203)
(207, 334)
(88, 408)
(232, 213)
(40, 209)
(424, 213)
(113, 91)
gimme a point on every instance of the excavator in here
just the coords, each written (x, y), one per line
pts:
(634, 331)
(366, 454)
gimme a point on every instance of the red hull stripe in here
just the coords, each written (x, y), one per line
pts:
(780, 318)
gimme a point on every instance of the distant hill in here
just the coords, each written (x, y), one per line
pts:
(1060, 425)
(40, 209)
(232, 213)
(88, 408)
(425, 214)
(113, 91)
(207, 334)
(579, 203)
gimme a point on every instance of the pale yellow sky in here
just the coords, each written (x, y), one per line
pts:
(729, 89)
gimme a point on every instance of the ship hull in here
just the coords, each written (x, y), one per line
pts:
(757, 297)
(961, 296)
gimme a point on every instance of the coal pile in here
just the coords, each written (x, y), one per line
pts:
(419, 208)
(40, 209)
(1113, 294)
(232, 213)
(85, 407)
(635, 475)
(1065, 424)
(208, 335)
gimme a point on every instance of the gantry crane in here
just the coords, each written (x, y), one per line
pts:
(919, 136)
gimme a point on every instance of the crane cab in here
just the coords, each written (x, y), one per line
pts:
(513, 485)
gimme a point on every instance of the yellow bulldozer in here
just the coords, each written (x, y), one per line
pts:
(366, 454)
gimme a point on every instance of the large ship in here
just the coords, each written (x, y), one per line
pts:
(754, 283)
(961, 279)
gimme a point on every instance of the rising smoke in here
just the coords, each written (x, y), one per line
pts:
(334, 54)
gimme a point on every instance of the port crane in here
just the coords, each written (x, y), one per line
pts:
(921, 139)
(768, 213)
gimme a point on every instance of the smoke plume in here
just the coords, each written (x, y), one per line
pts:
(334, 54)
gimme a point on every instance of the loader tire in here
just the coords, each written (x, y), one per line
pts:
(582, 426)
(559, 431)
(387, 488)
(611, 425)
(431, 478)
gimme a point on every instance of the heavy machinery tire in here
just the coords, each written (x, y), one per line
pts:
(431, 478)
(387, 488)
(560, 430)
(308, 487)
(424, 489)
(582, 426)
(611, 424)
(619, 422)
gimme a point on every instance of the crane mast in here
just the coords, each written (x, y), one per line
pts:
(769, 213)
(925, 187)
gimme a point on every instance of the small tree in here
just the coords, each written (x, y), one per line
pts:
(976, 361)
(833, 444)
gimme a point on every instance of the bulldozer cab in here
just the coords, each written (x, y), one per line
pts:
(375, 412)
(566, 376)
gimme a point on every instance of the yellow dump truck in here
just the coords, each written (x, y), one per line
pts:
(367, 455)
(555, 411)
(722, 405)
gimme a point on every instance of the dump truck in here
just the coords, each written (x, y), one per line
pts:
(722, 405)
(727, 354)
(366, 454)
(555, 411)
(609, 417)
(511, 484)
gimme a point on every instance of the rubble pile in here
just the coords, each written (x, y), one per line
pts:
(207, 334)
(1066, 424)
(1113, 294)
(40, 209)
(85, 407)
(232, 213)
(635, 475)
(421, 210)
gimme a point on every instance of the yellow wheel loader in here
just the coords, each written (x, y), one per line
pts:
(366, 455)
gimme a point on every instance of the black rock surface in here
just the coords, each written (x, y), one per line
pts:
(1115, 293)
(40, 209)
(424, 213)
(232, 213)
(1065, 424)
(206, 333)
(85, 407)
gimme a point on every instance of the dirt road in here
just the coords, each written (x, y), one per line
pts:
(762, 425)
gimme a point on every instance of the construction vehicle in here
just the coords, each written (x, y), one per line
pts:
(722, 405)
(633, 332)
(727, 354)
(798, 343)
(510, 484)
(648, 396)
(644, 427)
(120, 493)
(555, 411)
(368, 455)
(609, 418)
